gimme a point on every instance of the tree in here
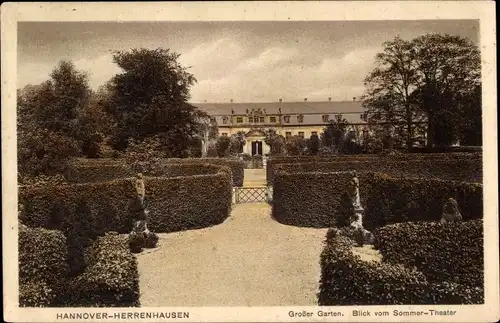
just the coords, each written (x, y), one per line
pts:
(150, 98)
(222, 146)
(430, 79)
(236, 143)
(334, 133)
(313, 144)
(295, 146)
(275, 142)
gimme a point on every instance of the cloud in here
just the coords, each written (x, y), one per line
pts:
(100, 69)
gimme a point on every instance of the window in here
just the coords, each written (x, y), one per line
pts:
(224, 120)
(239, 120)
(287, 119)
(272, 119)
(314, 133)
(288, 134)
(261, 119)
(325, 118)
(224, 134)
(300, 118)
(250, 119)
(301, 134)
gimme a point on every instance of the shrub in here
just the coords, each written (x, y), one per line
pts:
(313, 199)
(237, 166)
(393, 200)
(451, 252)
(111, 278)
(42, 265)
(138, 241)
(348, 280)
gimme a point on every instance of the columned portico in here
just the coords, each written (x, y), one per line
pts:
(255, 143)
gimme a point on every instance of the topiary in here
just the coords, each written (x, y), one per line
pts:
(136, 242)
(151, 240)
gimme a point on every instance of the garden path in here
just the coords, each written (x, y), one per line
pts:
(249, 260)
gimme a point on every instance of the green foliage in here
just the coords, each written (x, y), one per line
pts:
(42, 266)
(295, 146)
(393, 200)
(236, 144)
(275, 142)
(451, 252)
(237, 166)
(334, 133)
(434, 79)
(222, 146)
(150, 98)
(111, 278)
(348, 280)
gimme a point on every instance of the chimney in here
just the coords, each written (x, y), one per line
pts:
(354, 98)
(330, 98)
(305, 99)
(281, 100)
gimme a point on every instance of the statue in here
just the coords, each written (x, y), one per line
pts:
(451, 213)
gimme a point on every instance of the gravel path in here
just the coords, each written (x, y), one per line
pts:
(249, 260)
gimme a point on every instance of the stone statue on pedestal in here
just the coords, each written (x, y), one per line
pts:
(451, 213)
(353, 193)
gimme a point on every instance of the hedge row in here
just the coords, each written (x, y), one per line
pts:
(348, 280)
(237, 166)
(111, 278)
(451, 252)
(471, 169)
(85, 211)
(101, 172)
(42, 266)
(313, 199)
(392, 200)
(460, 170)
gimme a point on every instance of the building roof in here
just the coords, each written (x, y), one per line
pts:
(304, 107)
(312, 111)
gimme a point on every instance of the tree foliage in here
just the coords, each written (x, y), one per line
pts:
(426, 85)
(275, 142)
(334, 133)
(313, 144)
(150, 97)
(295, 146)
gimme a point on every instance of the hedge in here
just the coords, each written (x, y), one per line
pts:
(348, 280)
(451, 252)
(85, 211)
(393, 200)
(237, 166)
(472, 170)
(313, 199)
(42, 265)
(101, 172)
(111, 278)
(460, 170)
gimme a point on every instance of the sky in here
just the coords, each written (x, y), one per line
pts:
(243, 61)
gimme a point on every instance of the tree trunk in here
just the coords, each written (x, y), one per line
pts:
(430, 134)
(409, 125)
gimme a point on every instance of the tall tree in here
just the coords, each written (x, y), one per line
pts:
(334, 133)
(150, 98)
(237, 142)
(429, 79)
(275, 142)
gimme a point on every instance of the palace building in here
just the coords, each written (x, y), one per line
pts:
(286, 118)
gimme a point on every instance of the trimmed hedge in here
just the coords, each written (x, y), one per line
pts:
(460, 170)
(101, 172)
(42, 265)
(471, 170)
(451, 252)
(313, 199)
(111, 278)
(85, 211)
(237, 166)
(348, 280)
(393, 200)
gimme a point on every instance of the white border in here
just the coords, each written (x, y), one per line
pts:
(11, 13)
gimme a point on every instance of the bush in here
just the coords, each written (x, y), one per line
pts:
(451, 252)
(456, 166)
(393, 200)
(313, 199)
(42, 266)
(237, 166)
(138, 241)
(348, 280)
(111, 278)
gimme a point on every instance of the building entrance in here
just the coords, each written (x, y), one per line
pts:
(256, 148)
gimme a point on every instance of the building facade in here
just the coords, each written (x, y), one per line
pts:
(286, 118)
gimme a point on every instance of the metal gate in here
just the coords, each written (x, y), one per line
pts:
(254, 194)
